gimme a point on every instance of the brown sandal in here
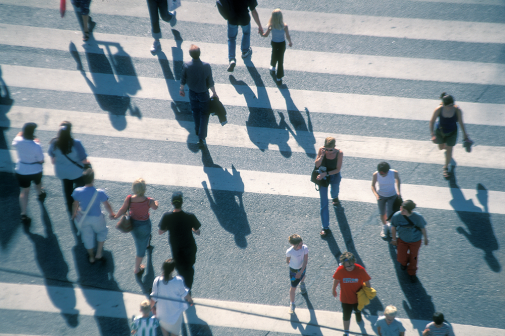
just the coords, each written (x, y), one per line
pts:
(445, 172)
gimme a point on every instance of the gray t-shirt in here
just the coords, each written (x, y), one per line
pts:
(444, 330)
(407, 232)
(393, 329)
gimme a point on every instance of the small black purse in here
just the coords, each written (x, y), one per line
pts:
(321, 183)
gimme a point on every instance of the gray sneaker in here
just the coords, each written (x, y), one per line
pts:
(173, 20)
(232, 65)
(303, 288)
(155, 47)
(247, 53)
(292, 308)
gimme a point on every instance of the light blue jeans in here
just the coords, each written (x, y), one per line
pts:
(232, 39)
(323, 195)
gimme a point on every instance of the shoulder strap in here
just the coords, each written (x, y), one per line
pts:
(87, 210)
(411, 222)
(78, 165)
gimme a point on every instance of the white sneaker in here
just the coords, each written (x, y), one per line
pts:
(156, 46)
(303, 288)
(386, 229)
(173, 20)
(292, 308)
(279, 79)
(272, 68)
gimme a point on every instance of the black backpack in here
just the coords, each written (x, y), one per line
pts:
(224, 8)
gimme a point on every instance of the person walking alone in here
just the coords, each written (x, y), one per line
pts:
(198, 76)
(387, 194)
(181, 226)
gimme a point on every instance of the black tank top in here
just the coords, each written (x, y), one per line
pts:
(331, 164)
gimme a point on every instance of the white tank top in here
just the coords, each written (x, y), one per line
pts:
(387, 184)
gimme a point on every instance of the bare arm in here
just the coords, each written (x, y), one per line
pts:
(269, 28)
(288, 37)
(436, 113)
(402, 333)
(197, 232)
(107, 206)
(213, 89)
(256, 18)
(287, 260)
(379, 331)
(393, 235)
(397, 178)
(304, 265)
(334, 288)
(189, 299)
(367, 283)
(461, 123)
(160, 232)
(153, 204)
(374, 182)
(320, 156)
(425, 235)
(75, 207)
(123, 209)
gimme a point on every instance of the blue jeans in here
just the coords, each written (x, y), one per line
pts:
(323, 195)
(232, 39)
(199, 102)
(141, 233)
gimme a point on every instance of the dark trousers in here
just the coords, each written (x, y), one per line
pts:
(278, 49)
(185, 258)
(199, 102)
(155, 7)
(69, 187)
(187, 272)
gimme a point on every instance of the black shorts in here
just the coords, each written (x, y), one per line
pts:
(26, 180)
(347, 308)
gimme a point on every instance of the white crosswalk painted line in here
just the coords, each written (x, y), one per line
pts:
(278, 184)
(317, 62)
(271, 139)
(216, 313)
(333, 23)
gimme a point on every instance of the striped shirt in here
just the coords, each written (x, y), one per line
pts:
(145, 326)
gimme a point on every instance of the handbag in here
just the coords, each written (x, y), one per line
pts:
(173, 4)
(125, 223)
(319, 183)
(79, 218)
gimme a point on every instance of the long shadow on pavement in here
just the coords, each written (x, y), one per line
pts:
(196, 326)
(9, 201)
(479, 230)
(228, 204)
(419, 305)
(54, 270)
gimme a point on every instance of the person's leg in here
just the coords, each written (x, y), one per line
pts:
(273, 58)
(334, 183)
(163, 10)
(390, 201)
(448, 155)
(381, 202)
(195, 110)
(141, 232)
(23, 199)
(68, 188)
(325, 214)
(402, 252)
(414, 252)
(280, 61)
(232, 41)
(347, 312)
(359, 318)
(152, 5)
(246, 38)
(203, 102)
(187, 272)
(292, 291)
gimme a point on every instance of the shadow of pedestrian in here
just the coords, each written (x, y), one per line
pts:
(196, 326)
(419, 305)
(225, 198)
(181, 109)
(54, 270)
(312, 327)
(146, 280)
(94, 279)
(332, 244)
(9, 202)
(346, 233)
(479, 230)
(111, 81)
(261, 124)
(302, 133)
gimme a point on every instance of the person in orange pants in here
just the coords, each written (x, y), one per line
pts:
(410, 226)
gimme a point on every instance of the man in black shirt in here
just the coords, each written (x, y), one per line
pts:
(181, 226)
(240, 17)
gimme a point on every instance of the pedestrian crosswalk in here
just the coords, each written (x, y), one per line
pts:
(376, 104)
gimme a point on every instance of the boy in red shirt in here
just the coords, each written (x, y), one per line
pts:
(350, 276)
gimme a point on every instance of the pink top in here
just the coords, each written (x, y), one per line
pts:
(140, 210)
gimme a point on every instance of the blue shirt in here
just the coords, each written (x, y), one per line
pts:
(393, 329)
(63, 167)
(84, 195)
(198, 76)
(407, 232)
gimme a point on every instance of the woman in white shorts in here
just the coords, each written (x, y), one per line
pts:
(167, 296)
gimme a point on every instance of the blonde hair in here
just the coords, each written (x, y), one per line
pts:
(145, 306)
(329, 142)
(276, 20)
(390, 310)
(139, 187)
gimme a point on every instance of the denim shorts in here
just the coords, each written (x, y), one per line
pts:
(141, 233)
(292, 276)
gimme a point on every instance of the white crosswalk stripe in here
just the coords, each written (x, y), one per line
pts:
(21, 75)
